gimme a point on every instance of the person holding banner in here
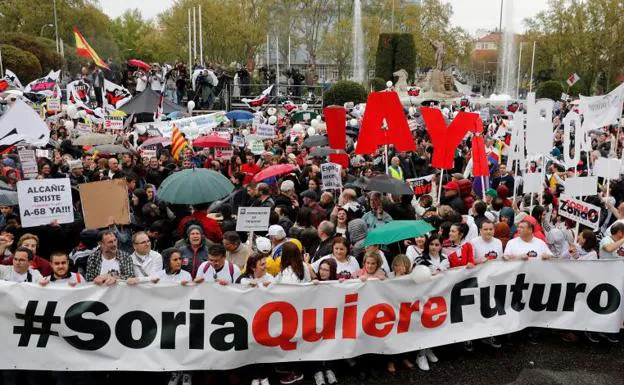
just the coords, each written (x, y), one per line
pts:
(61, 273)
(21, 271)
(526, 245)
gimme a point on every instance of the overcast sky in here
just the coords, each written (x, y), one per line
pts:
(469, 14)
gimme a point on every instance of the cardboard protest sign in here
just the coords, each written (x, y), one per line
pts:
(238, 141)
(330, 176)
(42, 153)
(579, 211)
(102, 200)
(265, 131)
(53, 105)
(253, 218)
(148, 153)
(28, 160)
(223, 135)
(256, 147)
(83, 127)
(113, 124)
(421, 186)
(43, 200)
(224, 153)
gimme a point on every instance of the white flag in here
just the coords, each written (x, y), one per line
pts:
(600, 111)
(573, 79)
(115, 95)
(22, 123)
(12, 79)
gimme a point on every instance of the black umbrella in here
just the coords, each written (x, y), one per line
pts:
(316, 140)
(324, 151)
(386, 184)
(358, 183)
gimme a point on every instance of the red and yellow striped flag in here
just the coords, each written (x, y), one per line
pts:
(178, 143)
(84, 49)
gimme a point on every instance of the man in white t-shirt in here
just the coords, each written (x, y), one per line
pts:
(21, 270)
(145, 261)
(486, 247)
(217, 268)
(526, 246)
(612, 246)
(59, 262)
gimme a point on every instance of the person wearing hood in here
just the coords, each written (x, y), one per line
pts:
(356, 233)
(195, 249)
(508, 216)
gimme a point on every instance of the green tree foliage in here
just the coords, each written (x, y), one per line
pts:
(405, 54)
(338, 47)
(23, 63)
(550, 89)
(395, 51)
(45, 52)
(345, 91)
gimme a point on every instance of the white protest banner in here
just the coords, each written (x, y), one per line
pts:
(581, 186)
(579, 211)
(421, 186)
(111, 123)
(214, 327)
(532, 183)
(607, 168)
(224, 153)
(83, 127)
(253, 218)
(148, 154)
(265, 131)
(28, 160)
(600, 111)
(224, 135)
(192, 127)
(256, 147)
(53, 104)
(43, 200)
(238, 141)
(330, 176)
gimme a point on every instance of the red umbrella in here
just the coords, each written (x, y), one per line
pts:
(139, 63)
(211, 141)
(277, 170)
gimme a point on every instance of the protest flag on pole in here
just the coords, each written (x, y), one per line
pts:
(84, 49)
(178, 143)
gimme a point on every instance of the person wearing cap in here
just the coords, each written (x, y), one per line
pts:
(278, 238)
(452, 198)
(210, 227)
(310, 200)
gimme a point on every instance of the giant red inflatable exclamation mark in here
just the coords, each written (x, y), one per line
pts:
(336, 121)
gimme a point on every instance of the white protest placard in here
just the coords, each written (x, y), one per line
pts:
(421, 186)
(223, 153)
(43, 200)
(192, 127)
(579, 211)
(532, 182)
(256, 147)
(539, 127)
(238, 141)
(581, 186)
(223, 135)
(148, 154)
(330, 176)
(28, 160)
(53, 105)
(83, 127)
(600, 111)
(253, 218)
(265, 131)
(42, 153)
(607, 168)
(113, 123)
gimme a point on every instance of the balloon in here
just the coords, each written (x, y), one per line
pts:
(420, 274)
(272, 119)
(72, 111)
(311, 131)
(297, 128)
(315, 123)
(353, 123)
(389, 84)
(304, 106)
(190, 105)
(245, 132)
(412, 111)
(271, 111)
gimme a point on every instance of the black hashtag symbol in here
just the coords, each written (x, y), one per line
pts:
(30, 317)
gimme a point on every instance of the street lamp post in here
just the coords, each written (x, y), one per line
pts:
(43, 26)
(56, 27)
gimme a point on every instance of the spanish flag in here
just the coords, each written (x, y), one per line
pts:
(178, 143)
(84, 49)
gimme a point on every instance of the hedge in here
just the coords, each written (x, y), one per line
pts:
(23, 63)
(345, 91)
(395, 51)
(550, 89)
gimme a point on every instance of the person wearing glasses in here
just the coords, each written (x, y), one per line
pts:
(145, 261)
(21, 271)
(217, 268)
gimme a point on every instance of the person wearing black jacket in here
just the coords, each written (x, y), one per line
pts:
(326, 230)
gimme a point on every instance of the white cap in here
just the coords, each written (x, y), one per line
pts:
(263, 244)
(276, 231)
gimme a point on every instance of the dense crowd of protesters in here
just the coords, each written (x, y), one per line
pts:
(314, 234)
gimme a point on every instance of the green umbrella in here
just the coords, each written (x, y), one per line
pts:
(397, 231)
(304, 116)
(194, 186)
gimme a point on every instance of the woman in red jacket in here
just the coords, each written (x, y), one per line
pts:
(459, 252)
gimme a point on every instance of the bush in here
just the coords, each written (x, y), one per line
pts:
(43, 49)
(345, 91)
(23, 63)
(378, 84)
(395, 51)
(550, 89)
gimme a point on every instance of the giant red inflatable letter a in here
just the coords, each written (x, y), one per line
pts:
(380, 106)
(446, 139)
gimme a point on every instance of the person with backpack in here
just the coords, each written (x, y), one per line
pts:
(217, 268)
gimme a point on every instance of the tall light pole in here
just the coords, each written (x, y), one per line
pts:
(500, 20)
(43, 26)
(56, 27)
